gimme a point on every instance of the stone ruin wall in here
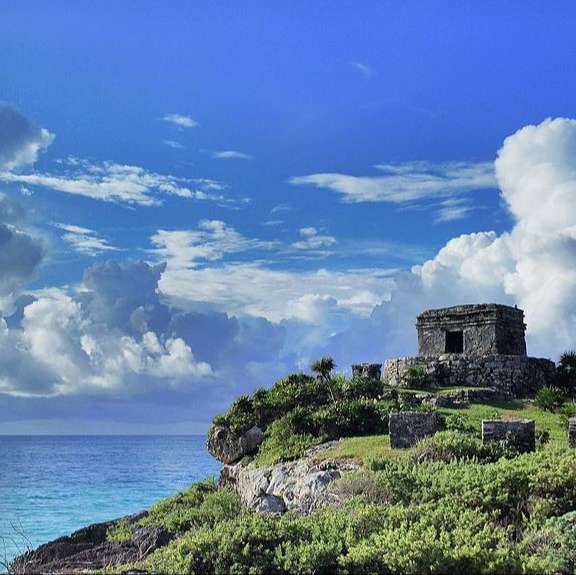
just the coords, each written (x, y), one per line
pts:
(513, 375)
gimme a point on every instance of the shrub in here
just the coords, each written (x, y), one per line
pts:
(432, 539)
(549, 398)
(567, 411)
(418, 378)
(361, 388)
(353, 417)
(285, 439)
(121, 532)
(362, 485)
(566, 372)
(447, 446)
(457, 422)
(203, 504)
(550, 548)
(296, 390)
(255, 543)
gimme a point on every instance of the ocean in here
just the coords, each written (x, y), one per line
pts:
(53, 485)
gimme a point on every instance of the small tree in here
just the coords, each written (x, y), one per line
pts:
(566, 371)
(324, 367)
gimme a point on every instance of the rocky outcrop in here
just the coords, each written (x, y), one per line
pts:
(228, 447)
(301, 486)
(87, 549)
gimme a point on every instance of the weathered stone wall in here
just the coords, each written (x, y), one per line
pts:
(519, 433)
(488, 329)
(367, 370)
(408, 427)
(572, 432)
(513, 375)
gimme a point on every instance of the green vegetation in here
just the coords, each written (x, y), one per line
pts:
(550, 398)
(447, 505)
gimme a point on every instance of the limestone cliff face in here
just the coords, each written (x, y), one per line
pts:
(301, 486)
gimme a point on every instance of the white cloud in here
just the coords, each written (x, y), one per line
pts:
(118, 183)
(281, 208)
(211, 241)
(231, 155)
(173, 144)
(20, 140)
(180, 120)
(533, 265)
(364, 69)
(453, 209)
(406, 182)
(312, 240)
(85, 240)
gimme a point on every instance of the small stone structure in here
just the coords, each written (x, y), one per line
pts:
(518, 433)
(408, 427)
(572, 432)
(484, 329)
(367, 370)
(479, 345)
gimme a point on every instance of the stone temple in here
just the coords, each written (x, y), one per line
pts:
(480, 345)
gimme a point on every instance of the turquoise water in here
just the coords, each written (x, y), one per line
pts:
(51, 486)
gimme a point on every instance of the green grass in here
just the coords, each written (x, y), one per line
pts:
(544, 420)
(364, 449)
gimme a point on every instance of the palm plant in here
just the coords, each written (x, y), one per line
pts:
(566, 370)
(324, 367)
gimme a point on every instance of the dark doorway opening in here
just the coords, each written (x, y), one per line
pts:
(454, 342)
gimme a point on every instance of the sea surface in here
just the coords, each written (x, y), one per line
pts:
(53, 485)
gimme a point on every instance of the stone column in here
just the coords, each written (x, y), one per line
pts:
(572, 432)
(409, 427)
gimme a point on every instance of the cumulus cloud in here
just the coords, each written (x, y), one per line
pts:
(180, 120)
(84, 240)
(20, 252)
(409, 182)
(231, 155)
(119, 183)
(20, 140)
(533, 265)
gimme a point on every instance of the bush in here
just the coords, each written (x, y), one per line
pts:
(567, 411)
(353, 417)
(418, 378)
(566, 372)
(550, 548)
(550, 398)
(432, 539)
(447, 446)
(287, 439)
(203, 504)
(121, 532)
(457, 422)
(360, 388)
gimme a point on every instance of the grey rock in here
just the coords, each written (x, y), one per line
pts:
(409, 427)
(572, 432)
(228, 447)
(518, 433)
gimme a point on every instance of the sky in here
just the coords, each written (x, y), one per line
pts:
(199, 198)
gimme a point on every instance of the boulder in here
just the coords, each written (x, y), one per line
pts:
(300, 486)
(228, 447)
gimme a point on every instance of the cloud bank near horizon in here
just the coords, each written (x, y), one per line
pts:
(192, 320)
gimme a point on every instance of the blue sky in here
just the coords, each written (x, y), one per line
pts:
(283, 165)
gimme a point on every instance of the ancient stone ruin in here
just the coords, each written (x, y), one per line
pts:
(572, 432)
(409, 427)
(480, 345)
(518, 433)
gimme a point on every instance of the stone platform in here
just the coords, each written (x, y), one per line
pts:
(513, 375)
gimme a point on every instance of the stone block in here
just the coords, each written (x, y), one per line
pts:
(408, 427)
(518, 433)
(367, 370)
(572, 432)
